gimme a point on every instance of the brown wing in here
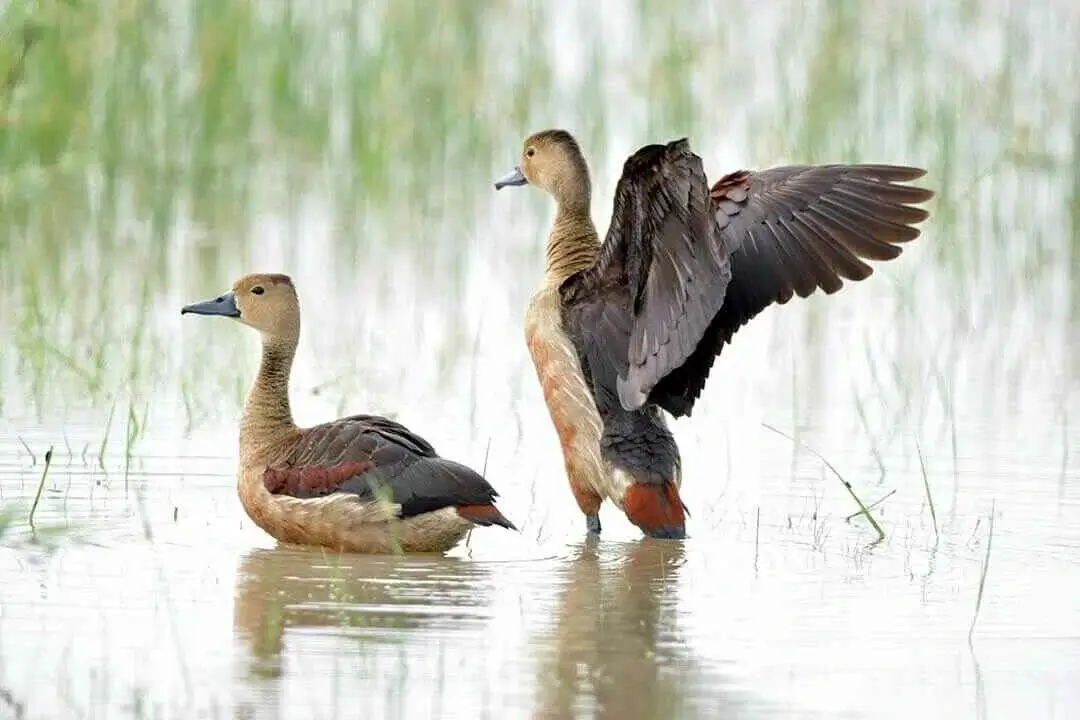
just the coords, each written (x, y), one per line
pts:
(792, 230)
(660, 278)
(373, 457)
(789, 231)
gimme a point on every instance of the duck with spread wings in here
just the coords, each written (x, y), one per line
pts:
(622, 331)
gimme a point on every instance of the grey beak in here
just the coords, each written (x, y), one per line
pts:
(513, 178)
(224, 305)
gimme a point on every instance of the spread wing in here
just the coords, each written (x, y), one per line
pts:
(374, 457)
(789, 231)
(682, 268)
(659, 280)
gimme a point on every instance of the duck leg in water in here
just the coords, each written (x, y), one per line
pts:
(592, 524)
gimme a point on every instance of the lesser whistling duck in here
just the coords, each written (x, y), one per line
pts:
(363, 483)
(620, 331)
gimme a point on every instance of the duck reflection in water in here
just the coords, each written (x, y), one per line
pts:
(447, 629)
(281, 589)
(613, 645)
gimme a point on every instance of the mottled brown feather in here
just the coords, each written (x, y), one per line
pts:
(373, 457)
(311, 480)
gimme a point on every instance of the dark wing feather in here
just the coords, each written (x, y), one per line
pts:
(641, 309)
(789, 231)
(401, 434)
(372, 457)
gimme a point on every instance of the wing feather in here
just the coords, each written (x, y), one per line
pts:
(371, 457)
(684, 266)
(640, 311)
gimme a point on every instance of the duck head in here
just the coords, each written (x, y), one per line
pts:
(552, 161)
(264, 301)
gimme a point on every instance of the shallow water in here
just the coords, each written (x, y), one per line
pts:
(154, 151)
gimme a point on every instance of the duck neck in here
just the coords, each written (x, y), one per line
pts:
(573, 243)
(267, 418)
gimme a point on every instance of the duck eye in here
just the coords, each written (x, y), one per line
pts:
(257, 290)
(530, 152)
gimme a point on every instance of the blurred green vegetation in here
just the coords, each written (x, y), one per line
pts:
(145, 145)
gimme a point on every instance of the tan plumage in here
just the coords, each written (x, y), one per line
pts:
(620, 331)
(358, 484)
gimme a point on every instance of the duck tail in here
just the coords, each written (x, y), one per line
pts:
(656, 509)
(484, 515)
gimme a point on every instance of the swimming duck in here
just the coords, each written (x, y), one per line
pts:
(363, 483)
(621, 331)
